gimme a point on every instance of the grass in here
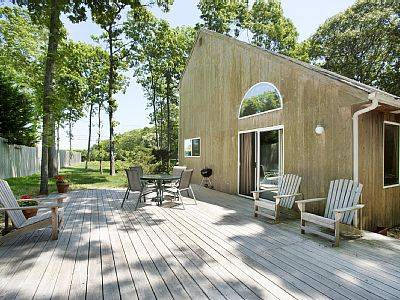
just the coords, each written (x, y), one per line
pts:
(78, 176)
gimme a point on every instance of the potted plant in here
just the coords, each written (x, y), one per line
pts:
(62, 184)
(28, 213)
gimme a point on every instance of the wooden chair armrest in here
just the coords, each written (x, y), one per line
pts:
(264, 190)
(287, 196)
(345, 209)
(310, 200)
(29, 207)
(58, 199)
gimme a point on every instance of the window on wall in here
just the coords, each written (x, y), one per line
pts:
(192, 147)
(260, 98)
(391, 154)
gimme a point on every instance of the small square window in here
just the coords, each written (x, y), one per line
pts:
(192, 147)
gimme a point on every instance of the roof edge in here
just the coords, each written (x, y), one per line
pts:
(335, 76)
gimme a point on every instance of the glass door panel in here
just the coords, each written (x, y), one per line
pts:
(269, 162)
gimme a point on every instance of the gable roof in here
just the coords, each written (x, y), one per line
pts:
(351, 82)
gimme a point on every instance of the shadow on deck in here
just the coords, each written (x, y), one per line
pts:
(214, 249)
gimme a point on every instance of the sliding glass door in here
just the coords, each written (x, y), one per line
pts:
(260, 160)
(270, 160)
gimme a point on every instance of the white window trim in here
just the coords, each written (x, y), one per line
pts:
(263, 112)
(191, 139)
(383, 155)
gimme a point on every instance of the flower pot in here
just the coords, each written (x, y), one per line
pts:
(29, 213)
(62, 187)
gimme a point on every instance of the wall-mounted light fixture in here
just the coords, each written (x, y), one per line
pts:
(319, 129)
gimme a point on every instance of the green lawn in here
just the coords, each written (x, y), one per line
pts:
(78, 177)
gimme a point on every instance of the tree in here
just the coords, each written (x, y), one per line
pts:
(136, 147)
(362, 43)
(159, 55)
(80, 82)
(264, 21)
(223, 16)
(270, 29)
(108, 15)
(22, 51)
(17, 119)
(48, 13)
(95, 74)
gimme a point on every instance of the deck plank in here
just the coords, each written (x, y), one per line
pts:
(94, 285)
(27, 275)
(283, 268)
(142, 284)
(65, 274)
(48, 280)
(213, 250)
(126, 285)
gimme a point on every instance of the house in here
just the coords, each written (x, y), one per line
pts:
(251, 115)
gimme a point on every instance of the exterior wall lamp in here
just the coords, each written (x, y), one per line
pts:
(319, 129)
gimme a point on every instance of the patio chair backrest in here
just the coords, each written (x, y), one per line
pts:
(138, 169)
(185, 180)
(342, 193)
(288, 184)
(7, 199)
(134, 180)
(177, 170)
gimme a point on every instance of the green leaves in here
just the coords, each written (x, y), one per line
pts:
(158, 55)
(270, 28)
(22, 51)
(264, 22)
(223, 16)
(362, 43)
(81, 78)
(17, 119)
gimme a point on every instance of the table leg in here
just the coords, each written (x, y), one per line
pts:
(162, 193)
(159, 192)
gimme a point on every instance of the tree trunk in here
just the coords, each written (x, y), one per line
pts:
(58, 147)
(70, 138)
(155, 111)
(90, 135)
(99, 140)
(53, 170)
(111, 103)
(52, 46)
(168, 116)
(161, 122)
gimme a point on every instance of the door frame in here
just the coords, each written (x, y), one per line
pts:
(257, 153)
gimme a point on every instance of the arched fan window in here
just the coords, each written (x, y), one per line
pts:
(260, 98)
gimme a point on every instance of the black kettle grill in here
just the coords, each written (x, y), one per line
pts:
(206, 181)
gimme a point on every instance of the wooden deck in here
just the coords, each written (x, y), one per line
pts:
(215, 249)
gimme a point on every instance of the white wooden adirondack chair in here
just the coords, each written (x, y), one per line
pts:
(287, 190)
(23, 225)
(341, 206)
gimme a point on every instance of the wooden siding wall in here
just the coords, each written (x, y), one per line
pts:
(382, 206)
(219, 73)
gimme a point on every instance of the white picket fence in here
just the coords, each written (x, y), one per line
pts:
(17, 160)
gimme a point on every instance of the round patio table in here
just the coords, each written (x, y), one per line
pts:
(160, 179)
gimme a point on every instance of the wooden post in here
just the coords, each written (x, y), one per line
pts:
(54, 223)
(6, 228)
(277, 210)
(337, 228)
(302, 222)
(256, 196)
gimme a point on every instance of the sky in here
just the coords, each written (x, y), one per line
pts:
(307, 15)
